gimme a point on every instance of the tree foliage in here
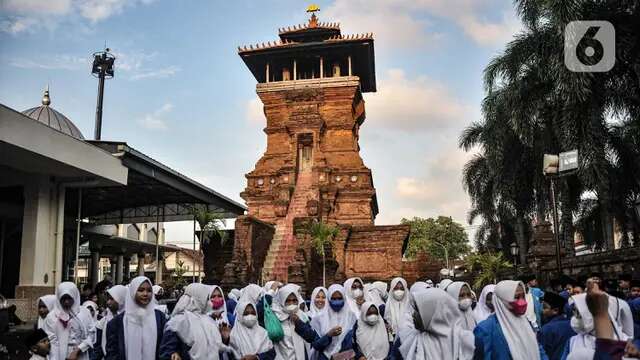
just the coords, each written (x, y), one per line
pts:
(322, 235)
(534, 106)
(210, 223)
(487, 267)
(427, 234)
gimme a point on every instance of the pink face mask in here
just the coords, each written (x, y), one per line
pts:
(519, 307)
(217, 303)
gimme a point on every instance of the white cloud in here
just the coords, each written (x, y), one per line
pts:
(157, 74)
(53, 62)
(402, 23)
(155, 120)
(32, 15)
(56, 7)
(254, 111)
(418, 104)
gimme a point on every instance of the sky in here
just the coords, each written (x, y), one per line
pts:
(182, 95)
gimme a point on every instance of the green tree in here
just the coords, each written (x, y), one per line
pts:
(535, 105)
(431, 235)
(322, 236)
(211, 223)
(488, 267)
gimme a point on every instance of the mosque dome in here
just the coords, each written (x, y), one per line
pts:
(52, 118)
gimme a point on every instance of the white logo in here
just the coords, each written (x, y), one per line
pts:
(589, 46)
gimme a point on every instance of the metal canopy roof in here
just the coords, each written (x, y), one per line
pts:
(108, 245)
(154, 192)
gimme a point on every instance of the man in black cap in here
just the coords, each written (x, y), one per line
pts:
(38, 344)
(557, 328)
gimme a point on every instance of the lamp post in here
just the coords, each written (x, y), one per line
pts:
(515, 250)
(102, 69)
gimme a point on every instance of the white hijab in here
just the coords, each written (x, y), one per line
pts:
(189, 320)
(468, 321)
(90, 305)
(50, 302)
(119, 294)
(444, 283)
(222, 312)
(376, 293)
(372, 339)
(443, 337)
(418, 286)
(246, 340)
(482, 311)
(330, 319)
(140, 329)
(517, 330)
(234, 294)
(313, 309)
(78, 319)
(350, 300)
(394, 309)
(251, 293)
(292, 346)
(585, 341)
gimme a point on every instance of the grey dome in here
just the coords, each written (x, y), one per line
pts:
(52, 118)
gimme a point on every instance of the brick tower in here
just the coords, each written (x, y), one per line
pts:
(311, 82)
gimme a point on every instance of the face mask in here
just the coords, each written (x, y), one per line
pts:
(398, 294)
(291, 309)
(250, 320)
(357, 293)
(371, 319)
(217, 303)
(519, 307)
(464, 304)
(336, 305)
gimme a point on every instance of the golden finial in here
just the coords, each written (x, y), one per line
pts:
(313, 21)
(46, 100)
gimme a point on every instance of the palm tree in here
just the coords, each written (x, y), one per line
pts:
(211, 223)
(322, 235)
(488, 267)
(535, 105)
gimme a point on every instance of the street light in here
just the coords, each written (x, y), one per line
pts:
(555, 166)
(515, 250)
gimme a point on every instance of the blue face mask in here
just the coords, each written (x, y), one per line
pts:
(336, 305)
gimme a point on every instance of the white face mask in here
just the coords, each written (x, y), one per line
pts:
(357, 293)
(398, 294)
(465, 304)
(249, 320)
(371, 319)
(291, 309)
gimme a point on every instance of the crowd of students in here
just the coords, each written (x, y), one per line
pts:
(355, 320)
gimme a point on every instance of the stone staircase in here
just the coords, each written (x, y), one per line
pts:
(283, 246)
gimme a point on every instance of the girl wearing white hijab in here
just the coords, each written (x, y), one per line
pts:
(218, 309)
(234, 294)
(68, 325)
(397, 304)
(296, 332)
(418, 286)
(370, 336)
(377, 294)
(334, 325)
(484, 308)
(116, 297)
(46, 304)
(508, 334)
(319, 303)
(444, 283)
(136, 333)
(193, 327)
(93, 310)
(158, 291)
(247, 337)
(582, 323)
(461, 293)
(354, 289)
(437, 332)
